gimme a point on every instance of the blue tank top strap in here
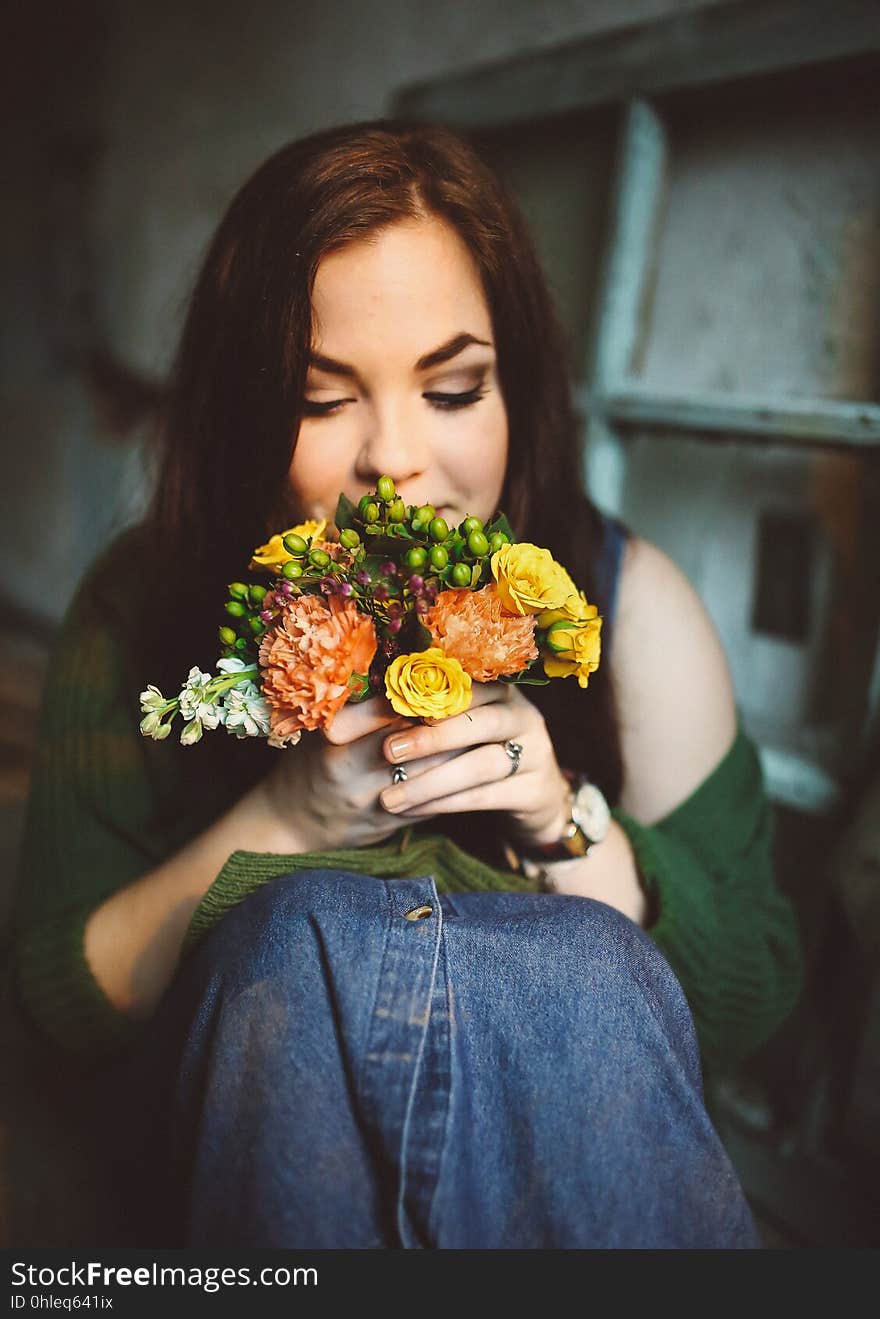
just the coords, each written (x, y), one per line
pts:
(608, 572)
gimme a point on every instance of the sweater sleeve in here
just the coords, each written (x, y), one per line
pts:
(721, 920)
(87, 832)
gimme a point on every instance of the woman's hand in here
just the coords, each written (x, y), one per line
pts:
(459, 764)
(324, 791)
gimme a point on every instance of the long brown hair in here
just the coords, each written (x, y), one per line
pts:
(229, 426)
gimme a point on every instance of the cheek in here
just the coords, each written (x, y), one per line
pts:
(315, 475)
(481, 446)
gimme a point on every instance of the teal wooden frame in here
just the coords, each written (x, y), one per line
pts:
(735, 39)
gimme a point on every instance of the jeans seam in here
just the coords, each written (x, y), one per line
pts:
(448, 1119)
(401, 1194)
(389, 916)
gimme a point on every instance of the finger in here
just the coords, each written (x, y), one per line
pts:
(358, 720)
(471, 775)
(413, 769)
(492, 722)
(482, 693)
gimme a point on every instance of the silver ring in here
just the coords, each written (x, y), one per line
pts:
(514, 751)
(398, 774)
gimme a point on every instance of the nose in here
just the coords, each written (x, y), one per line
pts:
(395, 445)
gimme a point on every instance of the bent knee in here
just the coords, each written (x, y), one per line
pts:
(273, 927)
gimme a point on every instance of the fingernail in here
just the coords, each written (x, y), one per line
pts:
(393, 799)
(399, 746)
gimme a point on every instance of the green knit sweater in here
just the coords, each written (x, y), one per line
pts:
(107, 805)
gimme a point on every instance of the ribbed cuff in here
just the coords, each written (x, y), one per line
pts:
(59, 995)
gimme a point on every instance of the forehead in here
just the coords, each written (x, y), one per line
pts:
(410, 284)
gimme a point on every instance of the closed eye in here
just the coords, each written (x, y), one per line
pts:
(441, 401)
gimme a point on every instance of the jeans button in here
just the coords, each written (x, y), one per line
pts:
(419, 913)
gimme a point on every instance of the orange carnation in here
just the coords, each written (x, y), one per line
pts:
(307, 660)
(487, 640)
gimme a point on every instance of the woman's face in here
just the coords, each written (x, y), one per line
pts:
(403, 378)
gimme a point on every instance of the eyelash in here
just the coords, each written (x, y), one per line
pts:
(444, 402)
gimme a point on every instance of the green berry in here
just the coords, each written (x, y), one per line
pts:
(461, 575)
(469, 525)
(235, 609)
(438, 530)
(292, 570)
(295, 544)
(385, 489)
(397, 511)
(237, 590)
(439, 556)
(478, 544)
(417, 557)
(371, 513)
(256, 594)
(349, 539)
(227, 636)
(425, 513)
(256, 625)
(240, 643)
(320, 558)
(417, 525)
(496, 540)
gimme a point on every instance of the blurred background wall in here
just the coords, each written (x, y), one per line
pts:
(702, 180)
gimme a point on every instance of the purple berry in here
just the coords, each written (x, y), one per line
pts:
(388, 568)
(266, 615)
(381, 594)
(394, 624)
(362, 577)
(422, 606)
(286, 588)
(416, 583)
(345, 588)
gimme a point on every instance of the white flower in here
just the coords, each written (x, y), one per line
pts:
(233, 665)
(150, 724)
(246, 712)
(198, 705)
(191, 733)
(151, 699)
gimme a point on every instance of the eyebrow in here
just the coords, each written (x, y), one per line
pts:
(444, 353)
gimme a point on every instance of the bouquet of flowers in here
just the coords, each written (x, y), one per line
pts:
(400, 603)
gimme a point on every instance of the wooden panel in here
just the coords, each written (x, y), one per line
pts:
(797, 420)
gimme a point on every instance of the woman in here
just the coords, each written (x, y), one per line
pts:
(452, 1058)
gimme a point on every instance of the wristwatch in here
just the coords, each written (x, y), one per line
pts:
(589, 819)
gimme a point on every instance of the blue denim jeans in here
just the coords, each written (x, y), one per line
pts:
(347, 1061)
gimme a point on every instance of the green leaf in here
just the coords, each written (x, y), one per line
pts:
(360, 682)
(501, 524)
(475, 573)
(346, 513)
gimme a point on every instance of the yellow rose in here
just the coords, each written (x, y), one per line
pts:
(427, 684)
(273, 555)
(530, 581)
(573, 647)
(575, 610)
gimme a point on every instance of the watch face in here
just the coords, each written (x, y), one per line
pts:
(590, 811)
